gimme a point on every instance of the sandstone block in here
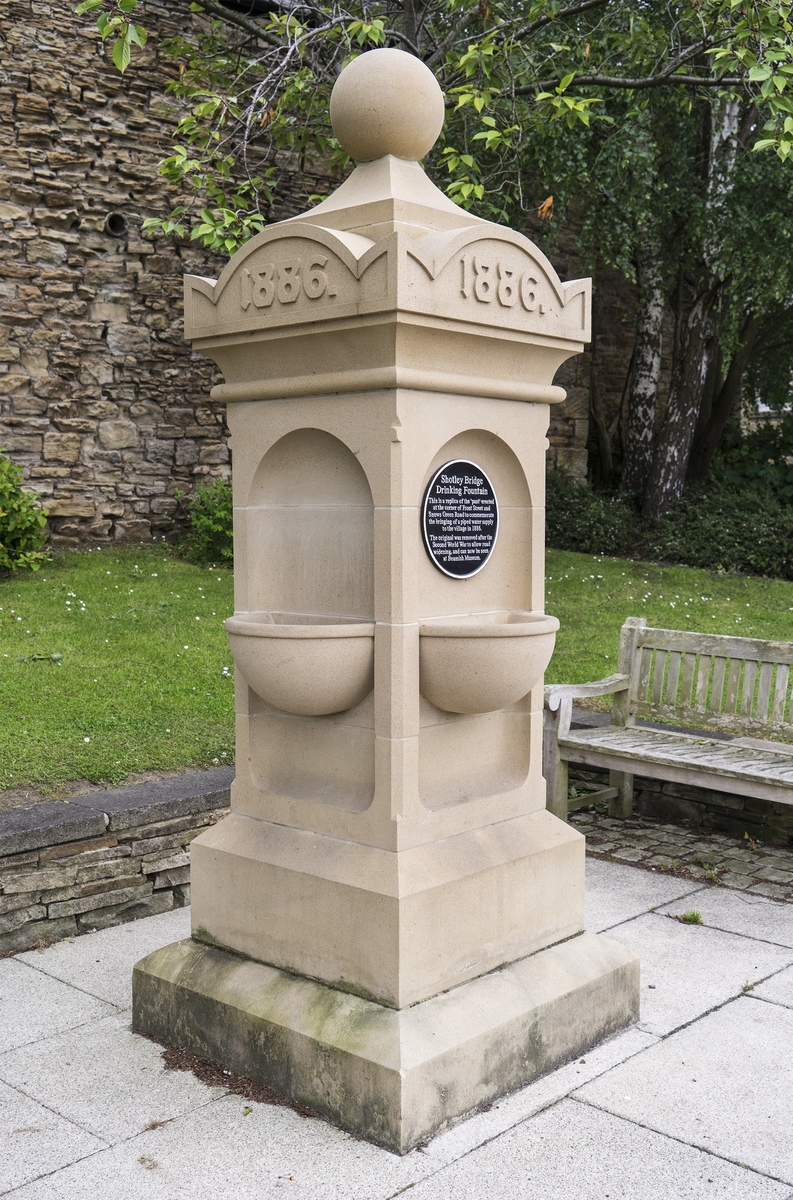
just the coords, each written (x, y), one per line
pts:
(132, 530)
(10, 901)
(18, 860)
(154, 845)
(71, 507)
(100, 409)
(116, 914)
(83, 904)
(30, 935)
(95, 369)
(152, 863)
(115, 313)
(63, 447)
(37, 880)
(89, 851)
(128, 339)
(214, 454)
(22, 444)
(186, 453)
(167, 879)
(117, 434)
(21, 916)
(74, 425)
(110, 868)
(12, 383)
(28, 406)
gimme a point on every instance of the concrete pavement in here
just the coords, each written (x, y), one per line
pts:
(695, 1101)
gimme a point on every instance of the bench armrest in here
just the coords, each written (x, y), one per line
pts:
(555, 693)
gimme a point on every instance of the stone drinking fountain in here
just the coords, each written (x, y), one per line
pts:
(389, 926)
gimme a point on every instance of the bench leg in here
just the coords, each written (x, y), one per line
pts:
(554, 769)
(557, 789)
(622, 804)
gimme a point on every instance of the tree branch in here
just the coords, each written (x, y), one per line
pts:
(571, 11)
(616, 81)
(239, 19)
(443, 47)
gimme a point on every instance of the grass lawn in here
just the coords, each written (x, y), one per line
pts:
(593, 596)
(143, 678)
(143, 681)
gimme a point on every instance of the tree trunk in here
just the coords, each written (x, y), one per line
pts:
(643, 390)
(697, 349)
(725, 402)
(412, 19)
(690, 375)
(597, 411)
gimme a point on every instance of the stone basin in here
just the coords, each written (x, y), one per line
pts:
(308, 666)
(485, 662)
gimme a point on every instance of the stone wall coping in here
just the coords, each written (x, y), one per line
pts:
(48, 824)
(54, 822)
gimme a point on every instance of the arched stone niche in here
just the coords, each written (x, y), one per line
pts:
(308, 536)
(466, 757)
(309, 530)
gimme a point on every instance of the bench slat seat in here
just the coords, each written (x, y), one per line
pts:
(698, 681)
(645, 748)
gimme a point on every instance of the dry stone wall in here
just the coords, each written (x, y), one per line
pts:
(102, 402)
(102, 858)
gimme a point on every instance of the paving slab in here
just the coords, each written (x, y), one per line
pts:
(34, 1006)
(104, 1078)
(725, 1083)
(35, 1141)
(689, 969)
(778, 990)
(574, 1152)
(741, 912)
(101, 963)
(616, 893)
(109, 1085)
(231, 1149)
(510, 1111)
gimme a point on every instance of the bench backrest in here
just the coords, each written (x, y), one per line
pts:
(707, 680)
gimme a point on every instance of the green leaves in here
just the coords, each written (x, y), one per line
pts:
(114, 22)
(526, 80)
(364, 32)
(22, 522)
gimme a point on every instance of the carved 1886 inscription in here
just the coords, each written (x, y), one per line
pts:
(285, 281)
(486, 281)
(459, 519)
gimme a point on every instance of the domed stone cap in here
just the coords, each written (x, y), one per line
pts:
(387, 102)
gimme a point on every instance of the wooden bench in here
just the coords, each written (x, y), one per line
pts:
(703, 682)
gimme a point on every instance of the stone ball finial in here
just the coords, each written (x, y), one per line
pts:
(386, 102)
